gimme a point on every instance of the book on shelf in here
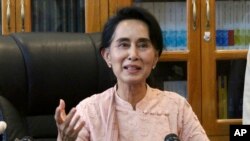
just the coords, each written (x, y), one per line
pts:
(178, 86)
(148, 5)
(157, 12)
(229, 24)
(35, 15)
(45, 13)
(64, 16)
(170, 31)
(40, 15)
(54, 17)
(221, 31)
(239, 33)
(222, 96)
(172, 19)
(247, 23)
(80, 16)
(71, 12)
(181, 38)
(242, 25)
(235, 88)
(232, 24)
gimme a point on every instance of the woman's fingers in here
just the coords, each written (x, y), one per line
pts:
(62, 107)
(69, 117)
(79, 127)
(69, 125)
(74, 127)
(60, 114)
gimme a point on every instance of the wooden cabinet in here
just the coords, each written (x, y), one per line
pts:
(215, 54)
(57, 15)
(207, 60)
(42, 16)
(203, 64)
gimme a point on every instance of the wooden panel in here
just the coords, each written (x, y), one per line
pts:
(230, 54)
(174, 56)
(124, 3)
(212, 125)
(23, 22)
(194, 61)
(219, 138)
(8, 22)
(92, 15)
(112, 7)
(104, 12)
(230, 121)
(209, 98)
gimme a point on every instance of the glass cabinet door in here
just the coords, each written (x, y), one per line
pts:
(232, 20)
(223, 64)
(179, 66)
(232, 24)
(230, 84)
(57, 15)
(42, 16)
(172, 18)
(172, 76)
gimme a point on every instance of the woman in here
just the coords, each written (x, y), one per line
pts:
(131, 110)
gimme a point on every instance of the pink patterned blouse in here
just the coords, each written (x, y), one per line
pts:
(159, 113)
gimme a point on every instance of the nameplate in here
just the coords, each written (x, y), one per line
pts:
(239, 132)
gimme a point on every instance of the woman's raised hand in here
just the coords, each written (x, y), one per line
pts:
(68, 125)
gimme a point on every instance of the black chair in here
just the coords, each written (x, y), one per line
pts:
(38, 69)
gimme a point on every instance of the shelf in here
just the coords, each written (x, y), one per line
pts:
(229, 121)
(174, 56)
(230, 54)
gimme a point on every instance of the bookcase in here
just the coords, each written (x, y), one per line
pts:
(56, 15)
(42, 16)
(223, 64)
(208, 62)
(206, 44)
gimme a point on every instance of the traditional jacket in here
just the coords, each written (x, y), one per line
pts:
(159, 113)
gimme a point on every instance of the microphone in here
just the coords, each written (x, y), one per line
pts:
(171, 137)
(3, 126)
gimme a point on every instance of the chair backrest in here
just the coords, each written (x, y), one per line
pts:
(38, 69)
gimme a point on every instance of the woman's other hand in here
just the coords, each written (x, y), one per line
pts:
(68, 125)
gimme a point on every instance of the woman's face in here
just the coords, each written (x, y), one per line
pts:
(131, 53)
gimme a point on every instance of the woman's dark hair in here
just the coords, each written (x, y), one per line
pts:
(137, 13)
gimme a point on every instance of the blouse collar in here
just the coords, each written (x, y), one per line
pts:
(123, 104)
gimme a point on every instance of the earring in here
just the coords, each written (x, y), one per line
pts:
(109, 65)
